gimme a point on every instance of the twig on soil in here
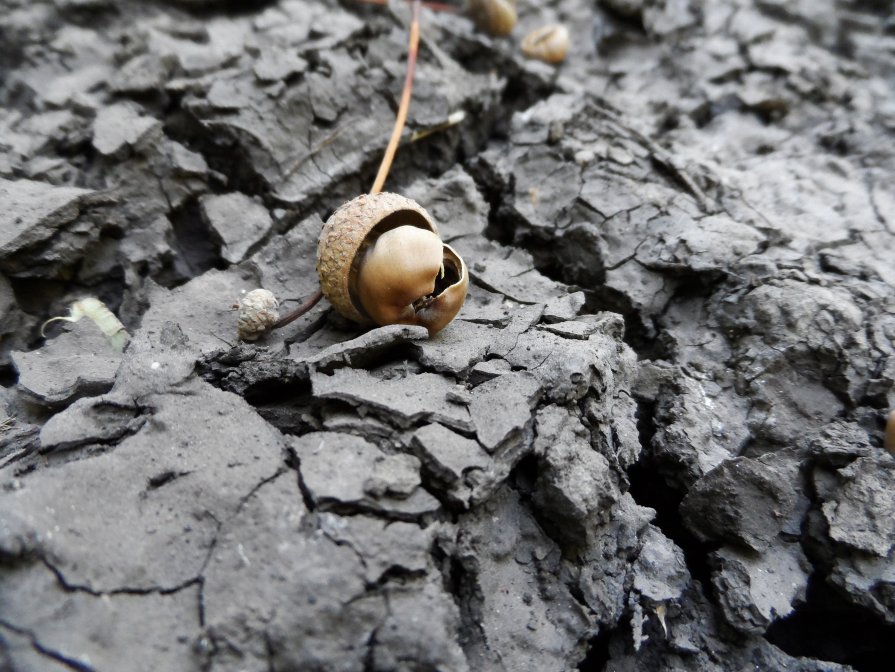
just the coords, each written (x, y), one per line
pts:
(6, 424)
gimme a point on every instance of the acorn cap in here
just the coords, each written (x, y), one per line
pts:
(351, 229)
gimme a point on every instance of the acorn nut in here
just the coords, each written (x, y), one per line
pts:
(381, 261)
(547, 43)
(495, 17)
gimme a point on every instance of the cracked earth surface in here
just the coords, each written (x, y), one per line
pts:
(653, 438)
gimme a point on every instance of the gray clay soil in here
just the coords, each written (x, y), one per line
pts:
(651, 441)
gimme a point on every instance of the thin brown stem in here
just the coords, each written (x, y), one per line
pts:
(401, 117)
(298, 312)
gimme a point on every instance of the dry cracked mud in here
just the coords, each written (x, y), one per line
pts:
(652, 440)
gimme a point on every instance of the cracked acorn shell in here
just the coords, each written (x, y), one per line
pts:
(381, 261)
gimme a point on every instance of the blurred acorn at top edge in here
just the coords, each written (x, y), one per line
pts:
(548, 43)
(495, 17)
(381, 261)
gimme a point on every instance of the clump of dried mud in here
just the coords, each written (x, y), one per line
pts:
(652, 439)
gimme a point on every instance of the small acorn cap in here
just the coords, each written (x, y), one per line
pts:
(347, 235)
(258, 312)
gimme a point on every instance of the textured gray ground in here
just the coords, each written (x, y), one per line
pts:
(652, 439)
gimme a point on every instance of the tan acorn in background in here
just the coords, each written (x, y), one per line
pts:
(548, 43)
(495, 17)
(381, 261)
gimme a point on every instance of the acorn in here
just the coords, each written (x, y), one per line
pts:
(381, 261)
(547, 43)
(495, 17)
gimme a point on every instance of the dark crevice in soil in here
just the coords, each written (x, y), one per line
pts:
(567, 258)
(521, 92)
(278, 388)
(626, 25)
(294, 464)
(286, 405)
(39, 296)
(162, 479)
(349, 509)
(396, 575)
(501, 226)
(525, 474)
(392, 354)
(522, 89)
(8, 376)
(44, 651)
(196, 245)
(270, 479)
(126, 419)
(11, 57)
(270, 651)
(370, 657)
(88, 448)
(640, 336)
(14, 96)
(462, 585)
(828, 627)
(646, 422)
(69, 587)
(597, 652)
(222, 154)
(230, 8)
(650, 487)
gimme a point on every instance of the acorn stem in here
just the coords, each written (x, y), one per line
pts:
(298, 312)
(401, 117)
